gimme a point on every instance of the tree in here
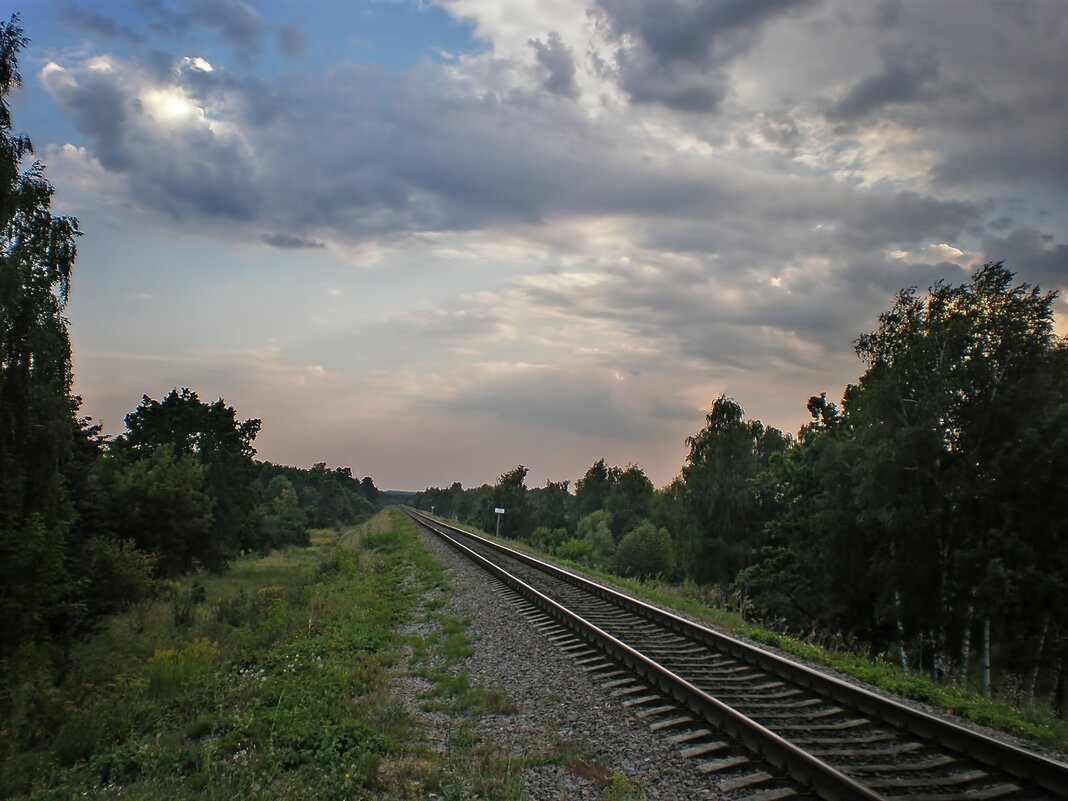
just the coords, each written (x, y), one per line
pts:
(630, 499)
(510, 494)
(646, 551)
(596, 529)
(959, 416)
(550, 506)
(369, 490)
(727, 513)
(37, 254)
(211, 433)
(160, 502)
(591, 491)
(284, 520)
(814, 567)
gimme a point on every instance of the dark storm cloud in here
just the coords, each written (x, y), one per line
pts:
(672, 410)
(559, 65)
(681, 49)
(983, 160)
(882, 220)
(94, 23)
(903, 79)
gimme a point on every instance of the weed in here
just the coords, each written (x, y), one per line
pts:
(184, 600)
(170, 670)
(620, 788)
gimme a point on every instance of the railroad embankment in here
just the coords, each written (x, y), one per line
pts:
(341, 670)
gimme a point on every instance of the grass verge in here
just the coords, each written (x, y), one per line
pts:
(274, 686)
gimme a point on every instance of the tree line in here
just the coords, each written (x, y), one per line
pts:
(88, 524)
(920, 519)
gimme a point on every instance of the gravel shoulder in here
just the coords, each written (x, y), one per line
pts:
(575, 740)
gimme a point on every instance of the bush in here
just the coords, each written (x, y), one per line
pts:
(547, 539)
(117, 575)
(576, 551)
(604, 547)
(646, 551)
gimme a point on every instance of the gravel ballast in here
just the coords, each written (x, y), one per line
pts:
(558, 707)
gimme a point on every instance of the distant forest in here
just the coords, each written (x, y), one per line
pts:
(922, 519)
(90, 526)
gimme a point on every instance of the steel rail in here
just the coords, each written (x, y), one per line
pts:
(1012, 760)
(800, 765)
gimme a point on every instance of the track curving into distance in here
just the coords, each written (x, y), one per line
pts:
(838, 740)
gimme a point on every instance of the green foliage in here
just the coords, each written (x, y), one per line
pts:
(284, 521)
(37, 254)
(214, 710)
(630, 500)
(620, 788)
(550, 506)
(170, 670)
(579, 551)
(592, 490)
(161, 503)
(510, 494)
(547, 539)
(220, 445)
(184, 599)
(116, 575)
(318, 497)
(646, 551)
(726, 509)
(596, 529)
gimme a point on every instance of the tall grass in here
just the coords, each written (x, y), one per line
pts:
(271, 682)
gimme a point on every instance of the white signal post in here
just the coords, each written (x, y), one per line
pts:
(499, 512)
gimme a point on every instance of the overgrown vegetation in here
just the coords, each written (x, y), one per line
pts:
(275, 686)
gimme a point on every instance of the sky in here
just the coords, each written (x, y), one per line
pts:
(435, 239)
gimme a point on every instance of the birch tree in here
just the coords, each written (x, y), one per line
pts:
(37, 253)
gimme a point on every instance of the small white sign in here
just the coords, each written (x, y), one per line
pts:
(498, 511)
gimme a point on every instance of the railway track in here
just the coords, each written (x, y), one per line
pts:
(758, 723)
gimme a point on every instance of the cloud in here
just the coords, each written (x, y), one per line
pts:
(94, 23)
(178, 160)
(291, 40)
(904, 78)
(583, 403)
(729, 195)
(288, 242)
(1035, 257)
(676, 53)
(558, 63)
(459, 325)
(163, 19)
(235, 20)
